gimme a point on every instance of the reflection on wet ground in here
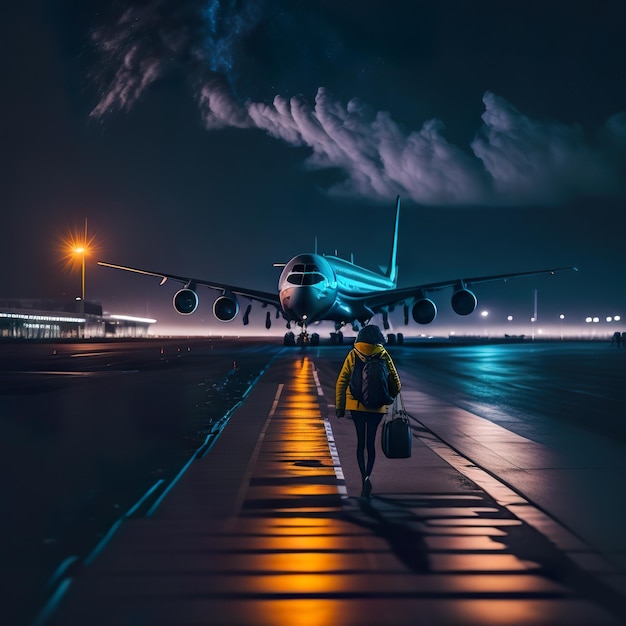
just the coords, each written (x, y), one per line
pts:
(297, 553)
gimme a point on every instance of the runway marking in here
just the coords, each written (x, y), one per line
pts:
(320, 391)
(341, 487)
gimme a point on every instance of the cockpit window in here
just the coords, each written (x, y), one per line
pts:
(309, 267)
(307, 272)
(305, 279)
(312, 279)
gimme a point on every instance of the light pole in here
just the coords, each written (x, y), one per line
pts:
(82, 247)
(81, 250)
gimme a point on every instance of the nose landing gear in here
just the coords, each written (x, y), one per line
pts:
(304, 338)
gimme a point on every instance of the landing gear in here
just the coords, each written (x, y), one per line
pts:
(336, 338)
(393, 339)
(306, 339)
(302, 339)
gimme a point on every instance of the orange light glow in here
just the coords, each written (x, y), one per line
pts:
(297, 548)
(75, 246)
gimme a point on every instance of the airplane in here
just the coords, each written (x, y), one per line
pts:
(314, 287)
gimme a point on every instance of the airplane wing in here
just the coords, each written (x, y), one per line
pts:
(264, 297)
(378, 301)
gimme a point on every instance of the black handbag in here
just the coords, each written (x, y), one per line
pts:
(396, 435)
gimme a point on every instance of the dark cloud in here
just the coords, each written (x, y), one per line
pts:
(513, 160)
(534, 162)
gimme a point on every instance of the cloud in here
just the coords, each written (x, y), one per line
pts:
(377, 157)
(513, 159)
(539, 162)
(152, 39)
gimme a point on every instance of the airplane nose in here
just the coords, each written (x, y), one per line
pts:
(303, 304)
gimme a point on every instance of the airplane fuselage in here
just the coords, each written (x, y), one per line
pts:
(313, 287)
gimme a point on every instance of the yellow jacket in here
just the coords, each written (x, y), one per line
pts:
(343, 398)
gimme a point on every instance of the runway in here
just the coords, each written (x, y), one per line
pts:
(87, 428)
(501, 409)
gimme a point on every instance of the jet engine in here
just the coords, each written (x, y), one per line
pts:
(424, 311)
(463, 302)
(185, 301)
(226, 308)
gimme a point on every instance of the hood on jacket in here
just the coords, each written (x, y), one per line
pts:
(368, 348)
(371, 334)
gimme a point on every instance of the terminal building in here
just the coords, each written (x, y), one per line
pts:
(65, 318)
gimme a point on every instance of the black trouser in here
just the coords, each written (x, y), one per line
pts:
(366, 424)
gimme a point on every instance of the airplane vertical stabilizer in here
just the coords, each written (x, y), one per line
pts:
(392, 268)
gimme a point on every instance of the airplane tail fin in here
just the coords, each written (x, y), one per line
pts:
(392, 268)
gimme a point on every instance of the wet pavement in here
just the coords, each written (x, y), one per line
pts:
(267, 529)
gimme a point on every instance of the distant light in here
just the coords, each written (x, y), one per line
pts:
(130, 318)
(484, 313)
(44, 318)
(596, 320)
(616, 318)
(79, 250)
(510, 318)
(609, 319)
(588, 320)
(561, 317)
(533, 319)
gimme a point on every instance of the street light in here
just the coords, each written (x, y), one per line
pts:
(75, 247)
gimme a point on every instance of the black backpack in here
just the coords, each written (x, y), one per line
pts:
(369, 381)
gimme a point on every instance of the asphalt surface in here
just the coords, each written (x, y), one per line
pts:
(86, 429)
(100, 424)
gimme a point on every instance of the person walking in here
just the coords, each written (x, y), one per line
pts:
(369, 342)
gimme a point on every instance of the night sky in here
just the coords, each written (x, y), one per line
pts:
(213, 139)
